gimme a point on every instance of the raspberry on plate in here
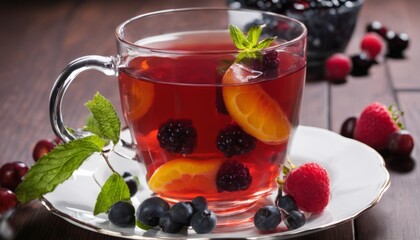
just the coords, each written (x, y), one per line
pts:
(375, 124)
(371, 44)
(309, 186)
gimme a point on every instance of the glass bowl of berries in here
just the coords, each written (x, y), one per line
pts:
(330, 23)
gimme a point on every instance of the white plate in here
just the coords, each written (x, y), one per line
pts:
(357, 173)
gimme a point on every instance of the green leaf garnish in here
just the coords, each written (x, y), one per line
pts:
(114, 190)
(105, 118)
(249, 45)
(396, 115)
(56, 167)
(142, 225)
(59, 164)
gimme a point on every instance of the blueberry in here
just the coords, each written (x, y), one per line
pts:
(267, 218)
(232, 140)
(122, 214)
(168, 225)
(203, 221)
(181, 212)
(286, 203)
(233, 176)
(132, 184)
(126, 174)
(199, 203)
(150, 210)
(177, 136)
(294, 220)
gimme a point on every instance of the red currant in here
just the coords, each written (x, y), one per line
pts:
(347, 129)
(41, 148)
(11, 174)
(8, 200)
(400, 143)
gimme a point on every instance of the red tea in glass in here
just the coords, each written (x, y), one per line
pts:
(158, 92)
(204, 122)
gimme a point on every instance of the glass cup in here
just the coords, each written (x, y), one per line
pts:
(202, 123)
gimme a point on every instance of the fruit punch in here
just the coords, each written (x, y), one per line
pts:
(205, 124)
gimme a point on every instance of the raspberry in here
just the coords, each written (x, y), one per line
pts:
(232, 140)
(177, 136)
(309, 186)
(233, 176)
(337, 67)
(371, 44)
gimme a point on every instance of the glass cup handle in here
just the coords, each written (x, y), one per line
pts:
(106, 65)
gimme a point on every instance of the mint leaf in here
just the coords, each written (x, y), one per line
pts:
(254, 33)
(249, 44)
(142, 225)
(92, 126)
(238, 37)
(56, 167)
(106, 118)
(114, 190)
(265, 43)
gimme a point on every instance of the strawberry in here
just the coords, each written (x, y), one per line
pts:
(375, 124)
(309, 186)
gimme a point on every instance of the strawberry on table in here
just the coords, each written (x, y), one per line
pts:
(375, 124)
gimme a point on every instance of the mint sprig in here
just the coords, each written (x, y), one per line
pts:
(56, 167)
(249, 45)
(115, 189)
(59, 164)
(105, 119)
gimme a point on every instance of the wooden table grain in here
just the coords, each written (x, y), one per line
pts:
(38, 38)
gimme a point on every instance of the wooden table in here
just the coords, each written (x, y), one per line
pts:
(39, 39)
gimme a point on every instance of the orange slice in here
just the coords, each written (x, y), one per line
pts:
(253, 109)
(140, 96)
(185, 175)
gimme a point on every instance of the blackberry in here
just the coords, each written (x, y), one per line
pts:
(267, 63)
(232, 140)
(233, 176)
(177, 136)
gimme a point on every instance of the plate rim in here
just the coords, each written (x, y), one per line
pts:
(284, 235)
